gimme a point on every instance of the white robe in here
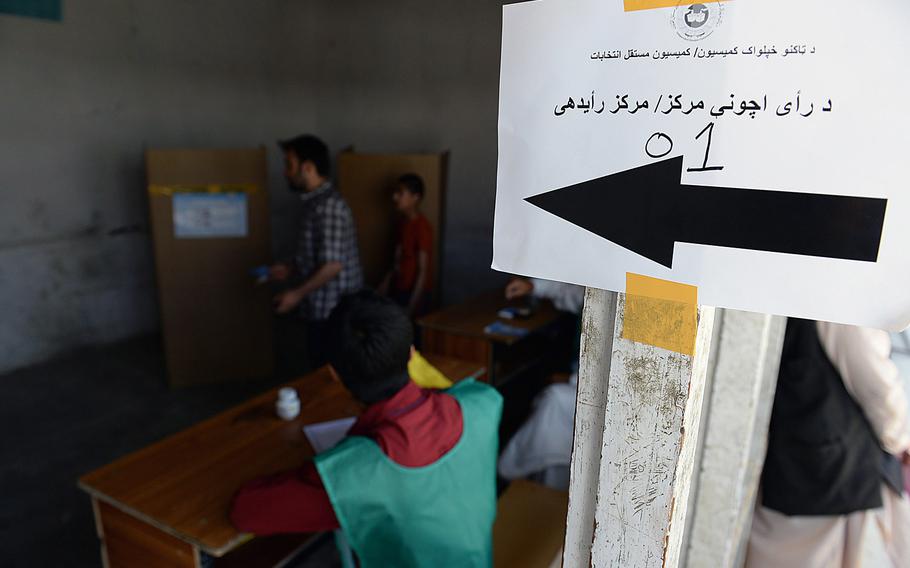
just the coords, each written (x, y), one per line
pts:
(542, 447)
(566, 297)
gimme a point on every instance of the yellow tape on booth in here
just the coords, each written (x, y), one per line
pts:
(167, 190)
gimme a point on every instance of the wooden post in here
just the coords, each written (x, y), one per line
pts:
(745, 361)
(636, 430)
(598, 321)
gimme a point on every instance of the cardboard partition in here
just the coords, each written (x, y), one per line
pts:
(210, 227)
(367, 182)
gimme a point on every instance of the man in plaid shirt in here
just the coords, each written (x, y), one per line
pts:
(326, 265)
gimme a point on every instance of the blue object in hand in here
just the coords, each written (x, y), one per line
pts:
(260, 273)
(499, 328)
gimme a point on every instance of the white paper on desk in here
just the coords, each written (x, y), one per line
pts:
(325, 435)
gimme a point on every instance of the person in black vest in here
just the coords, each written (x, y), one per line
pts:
(832, 488)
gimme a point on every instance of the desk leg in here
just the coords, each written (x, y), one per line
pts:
(127, 542)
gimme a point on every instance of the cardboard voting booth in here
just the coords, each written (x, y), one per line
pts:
(210, 226)
(367, 182)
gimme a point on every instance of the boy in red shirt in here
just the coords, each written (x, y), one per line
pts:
(410, 279)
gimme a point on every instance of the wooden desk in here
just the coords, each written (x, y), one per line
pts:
(458, 331)
(164, 504)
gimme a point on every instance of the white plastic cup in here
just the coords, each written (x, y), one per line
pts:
(288, 404)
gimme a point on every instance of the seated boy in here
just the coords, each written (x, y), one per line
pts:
(414, 483)
(410, 280)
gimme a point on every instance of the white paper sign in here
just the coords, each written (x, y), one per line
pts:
(210, 215)
(774, 110)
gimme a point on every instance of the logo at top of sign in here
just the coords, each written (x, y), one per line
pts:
(695, 22)
(696, 16)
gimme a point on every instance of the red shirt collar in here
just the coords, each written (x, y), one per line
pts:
(405, 400)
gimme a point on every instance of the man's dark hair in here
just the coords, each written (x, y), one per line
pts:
(369, 345)
(412, 183)
(308, 147)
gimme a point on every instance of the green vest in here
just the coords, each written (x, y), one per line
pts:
(439, 515)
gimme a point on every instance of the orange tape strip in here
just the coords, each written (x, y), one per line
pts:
(633, 5)
(661, 313)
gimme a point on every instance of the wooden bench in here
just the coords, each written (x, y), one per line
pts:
(530, 526)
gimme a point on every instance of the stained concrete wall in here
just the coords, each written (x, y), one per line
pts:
(82, 99)
(421, 76)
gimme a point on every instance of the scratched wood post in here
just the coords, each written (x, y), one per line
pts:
(631, 482)
(744, 369)
(598, 322)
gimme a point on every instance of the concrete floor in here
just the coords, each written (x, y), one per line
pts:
(65, 418)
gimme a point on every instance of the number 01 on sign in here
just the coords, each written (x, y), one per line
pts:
(743, 148)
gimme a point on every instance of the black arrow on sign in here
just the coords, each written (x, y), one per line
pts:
(647, 210)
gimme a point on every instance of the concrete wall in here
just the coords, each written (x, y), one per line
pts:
(83, 98)
(420, 76)
(81, 101)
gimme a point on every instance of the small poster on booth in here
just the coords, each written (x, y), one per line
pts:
(210, 215)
